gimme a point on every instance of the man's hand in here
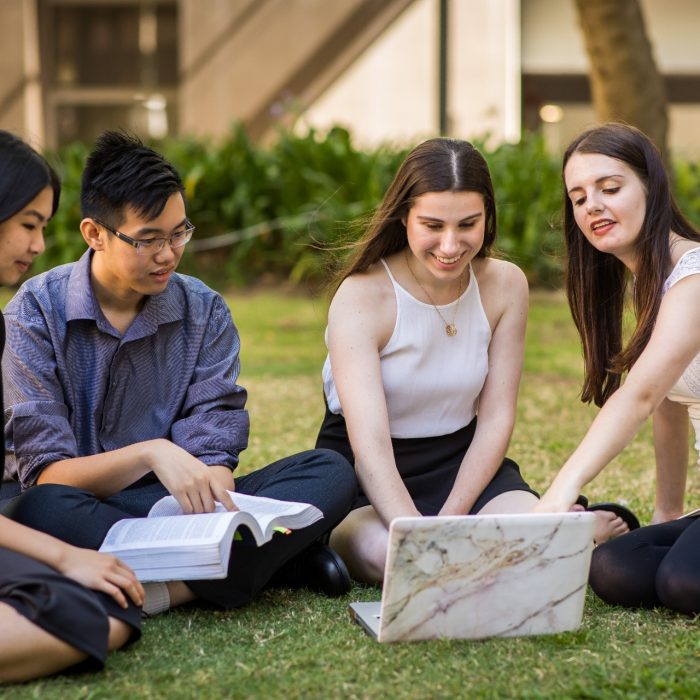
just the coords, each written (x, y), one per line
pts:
(195, 485)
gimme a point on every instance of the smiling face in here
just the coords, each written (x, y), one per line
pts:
(119, 270)
(22, 237)
(608, 201)
(445, 231)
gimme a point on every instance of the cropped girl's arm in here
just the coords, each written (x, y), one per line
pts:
(101, 572)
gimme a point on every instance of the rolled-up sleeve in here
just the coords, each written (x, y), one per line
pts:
(37, 420)
(214, 424)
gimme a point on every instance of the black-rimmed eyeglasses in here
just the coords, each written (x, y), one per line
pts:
(149, 246)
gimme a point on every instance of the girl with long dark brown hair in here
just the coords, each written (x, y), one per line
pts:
(624, 229)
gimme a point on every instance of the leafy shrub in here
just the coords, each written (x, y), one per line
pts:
(687, 189)
(291, 205)
(528, 189)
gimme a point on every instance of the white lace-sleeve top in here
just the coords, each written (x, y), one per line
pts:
(686, 390)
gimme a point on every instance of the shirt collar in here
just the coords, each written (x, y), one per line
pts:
(80, 301)
(166, 307)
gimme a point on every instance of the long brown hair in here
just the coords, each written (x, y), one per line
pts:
(596, 282)
(436, 165)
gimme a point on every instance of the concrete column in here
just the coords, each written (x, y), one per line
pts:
(33, 93)
(12, 66)
(485, 69)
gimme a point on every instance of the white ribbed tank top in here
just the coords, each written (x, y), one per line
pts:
(431, 381)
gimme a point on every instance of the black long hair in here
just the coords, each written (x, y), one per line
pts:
(23, 174)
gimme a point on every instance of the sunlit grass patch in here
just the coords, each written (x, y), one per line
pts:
(297, 645)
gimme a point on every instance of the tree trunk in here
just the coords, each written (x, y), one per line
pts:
(625, 82)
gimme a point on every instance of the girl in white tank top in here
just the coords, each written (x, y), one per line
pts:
(426, 331)
(441, 397)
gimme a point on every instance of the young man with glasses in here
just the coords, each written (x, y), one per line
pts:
(121, 387)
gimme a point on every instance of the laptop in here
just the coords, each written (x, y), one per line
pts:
(478, 576)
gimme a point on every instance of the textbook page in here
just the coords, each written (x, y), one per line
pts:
(264, 510)
(150, 532)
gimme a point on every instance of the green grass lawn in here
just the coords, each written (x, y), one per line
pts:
(293, 644)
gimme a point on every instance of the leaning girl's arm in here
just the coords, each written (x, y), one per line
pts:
(672, 346)
(360, 320)
(498, 398)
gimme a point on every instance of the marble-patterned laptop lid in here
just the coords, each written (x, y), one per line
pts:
(479, 576)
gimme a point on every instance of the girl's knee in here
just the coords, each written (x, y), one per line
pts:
(340, 471)
(603, 574)
(119, 633)
(678, 588)
(34, 506)
(615, 579)
(363, 547)
(372, 552)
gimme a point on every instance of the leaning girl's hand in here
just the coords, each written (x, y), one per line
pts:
(101, 572)
(549, 503)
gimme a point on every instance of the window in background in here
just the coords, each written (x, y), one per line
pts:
(109, 65)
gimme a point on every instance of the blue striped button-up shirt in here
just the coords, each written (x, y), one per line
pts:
(74, 386)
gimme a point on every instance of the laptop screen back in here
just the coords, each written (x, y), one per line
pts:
(485, 575)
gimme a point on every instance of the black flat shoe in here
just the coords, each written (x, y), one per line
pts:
(318, 568)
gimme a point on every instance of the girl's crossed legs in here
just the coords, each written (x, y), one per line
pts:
(362, 538)
(653, 566)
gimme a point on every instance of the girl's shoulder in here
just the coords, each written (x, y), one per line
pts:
(685, 258)
(503, 288)
(365, 289)
(369, 281)
(680, 247)
(492, 272)
(365, 303)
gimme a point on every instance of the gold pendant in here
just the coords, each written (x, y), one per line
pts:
(451, 329)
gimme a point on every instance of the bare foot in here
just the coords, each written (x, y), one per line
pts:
(607, 526)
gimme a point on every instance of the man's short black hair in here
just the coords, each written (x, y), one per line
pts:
(122, 172)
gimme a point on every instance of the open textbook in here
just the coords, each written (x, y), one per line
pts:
(169, 545)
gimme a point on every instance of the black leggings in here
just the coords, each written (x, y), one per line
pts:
(652, 566)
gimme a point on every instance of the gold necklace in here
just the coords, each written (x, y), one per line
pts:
(450, 328)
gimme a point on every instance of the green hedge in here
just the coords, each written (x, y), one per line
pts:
(294, 204)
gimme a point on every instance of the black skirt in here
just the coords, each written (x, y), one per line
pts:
(428, 466)
(62, 607)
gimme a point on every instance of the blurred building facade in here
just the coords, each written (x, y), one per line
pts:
(71, 68)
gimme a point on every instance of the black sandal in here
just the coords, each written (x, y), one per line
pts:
(621, 511)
